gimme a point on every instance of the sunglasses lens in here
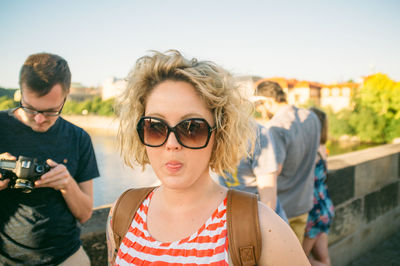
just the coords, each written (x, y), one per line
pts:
(192, 133)
(152, 132)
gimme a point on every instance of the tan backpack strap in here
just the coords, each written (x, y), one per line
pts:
(244, 236)
(124, 211)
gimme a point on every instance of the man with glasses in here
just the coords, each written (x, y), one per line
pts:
(40, 228)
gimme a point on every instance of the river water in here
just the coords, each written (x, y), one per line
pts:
(114, 176)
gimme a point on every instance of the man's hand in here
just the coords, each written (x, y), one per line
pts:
(5, 156)
(58, 177)
(79, 197)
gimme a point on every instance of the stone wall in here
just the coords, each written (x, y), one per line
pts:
(93, 236)
(364, 186)
(365, 189)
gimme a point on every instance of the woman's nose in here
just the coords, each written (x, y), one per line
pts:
(172, 142)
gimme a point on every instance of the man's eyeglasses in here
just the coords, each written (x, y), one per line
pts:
(192, 133)
(34, 112)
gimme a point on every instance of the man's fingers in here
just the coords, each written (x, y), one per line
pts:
(7, 156)
(55, 174)
(58, 177)
(56, 184)
(51, 163)
(56, 170)
(4, 183)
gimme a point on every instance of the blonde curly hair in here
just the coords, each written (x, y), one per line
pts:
(216, 88)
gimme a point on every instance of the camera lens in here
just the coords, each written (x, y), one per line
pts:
(23, 184)
(39, 169)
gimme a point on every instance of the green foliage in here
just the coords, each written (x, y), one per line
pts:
(378, 105)
(7, 103)
(92, 106)
(376, 114)
(368, 126)
(257, 114)
(7, 92)
(107, 108)
(308, 104)
(392, 129)
(381, 95)
(339, 123)
(71, 107)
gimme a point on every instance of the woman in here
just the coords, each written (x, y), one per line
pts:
(320, 217)
(197, 102)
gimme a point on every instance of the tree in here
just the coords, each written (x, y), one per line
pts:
(6, 103)
(376, 115)
(91, 106)
(7, 92)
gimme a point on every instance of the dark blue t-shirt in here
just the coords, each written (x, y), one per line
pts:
(38, 227)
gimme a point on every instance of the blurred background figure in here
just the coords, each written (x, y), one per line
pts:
(295, 133)
(257, 173)
(320, 217)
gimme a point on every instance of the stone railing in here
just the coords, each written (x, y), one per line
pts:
(364, 187)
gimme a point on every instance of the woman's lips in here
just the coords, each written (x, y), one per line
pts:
(173, 166)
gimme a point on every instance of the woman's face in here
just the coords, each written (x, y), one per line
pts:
(176, 166)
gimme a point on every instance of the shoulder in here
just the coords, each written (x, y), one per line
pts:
(6, 114)
(308, 115)
(283, 118)
(68, 124)
(263, 131)
(263, 135)
(72, 128)
(279, 244)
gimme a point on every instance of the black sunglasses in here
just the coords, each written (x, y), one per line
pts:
(192, 133)
(34, 112)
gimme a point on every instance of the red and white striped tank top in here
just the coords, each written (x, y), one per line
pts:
(207, 246)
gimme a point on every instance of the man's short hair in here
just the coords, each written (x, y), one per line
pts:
(271, 89)
(42, 71)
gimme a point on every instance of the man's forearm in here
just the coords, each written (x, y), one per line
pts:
(79, 198)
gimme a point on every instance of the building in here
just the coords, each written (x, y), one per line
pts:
(112, 87)
(336, 96)
(78, 92)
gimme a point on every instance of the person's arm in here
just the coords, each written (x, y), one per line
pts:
(110, 238)
(4, 183)
(267, 189)
(265, 168)
(280, 245)
(79, 197)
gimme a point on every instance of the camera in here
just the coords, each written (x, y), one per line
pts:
(23, 172)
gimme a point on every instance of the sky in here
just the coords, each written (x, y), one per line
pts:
(323, 41)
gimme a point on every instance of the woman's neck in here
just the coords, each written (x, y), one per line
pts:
(190, 197)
